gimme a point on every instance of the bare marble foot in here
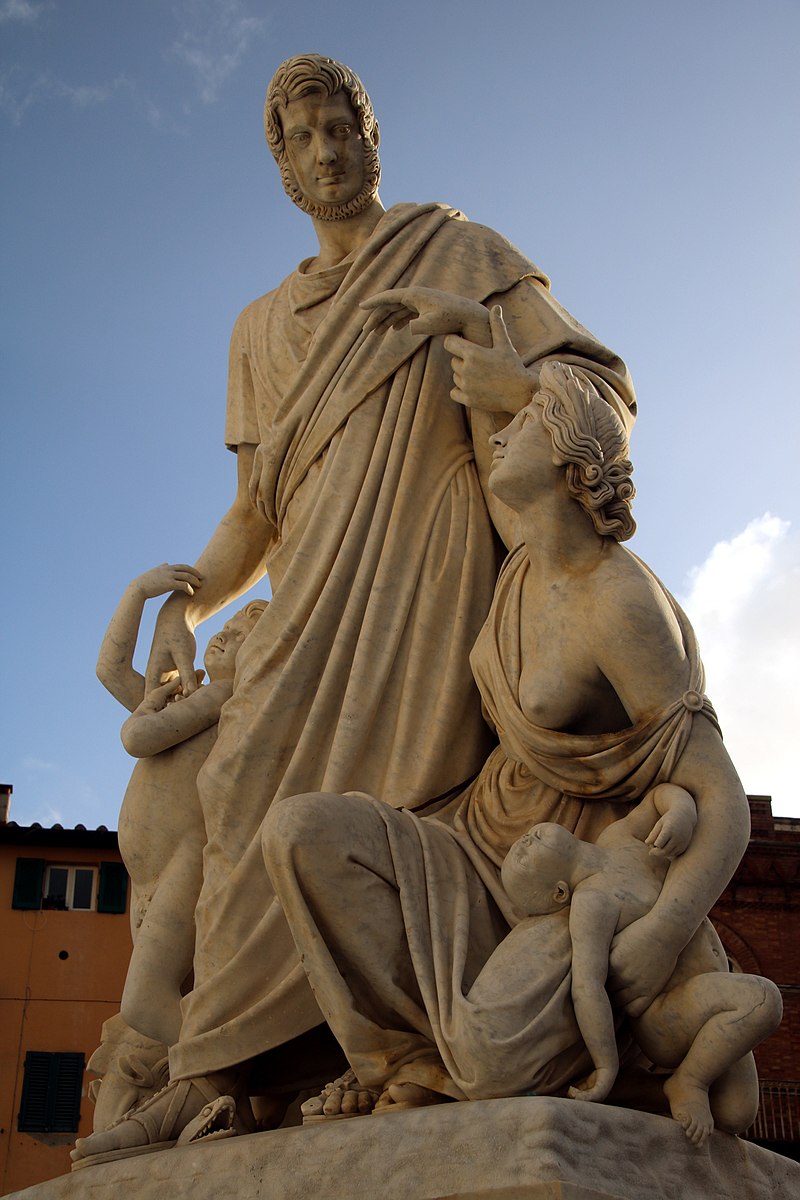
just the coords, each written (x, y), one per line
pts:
(688, 1102)
(344, 1097)
(398, 1096)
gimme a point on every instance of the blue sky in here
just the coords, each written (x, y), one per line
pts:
(644, 155)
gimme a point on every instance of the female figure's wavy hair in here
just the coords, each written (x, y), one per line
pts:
(589, 440)
(306, 75)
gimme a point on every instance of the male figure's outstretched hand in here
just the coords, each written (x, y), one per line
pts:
(425, 311)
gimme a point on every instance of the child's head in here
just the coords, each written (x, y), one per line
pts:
(537, 868)
(219, 659)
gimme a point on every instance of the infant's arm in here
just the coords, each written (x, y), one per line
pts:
(115, 668)
(156, 724)
(672, 833)
(664, 819)
(593, 919)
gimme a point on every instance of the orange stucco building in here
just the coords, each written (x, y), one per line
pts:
(64, 949)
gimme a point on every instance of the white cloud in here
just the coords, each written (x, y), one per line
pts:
(20, 90)
(215, 37)
(26, 11)
(17, 94)
(743, 602)
(220, 33)
(39, 764)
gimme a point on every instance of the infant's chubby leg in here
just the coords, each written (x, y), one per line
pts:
(703, 1028)
(689, 1105)
(734, 1098)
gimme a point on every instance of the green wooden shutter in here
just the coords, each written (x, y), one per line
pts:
(65, 1109)
(28, 883)
(35, 1090)
(112, 894)
(51, 1093)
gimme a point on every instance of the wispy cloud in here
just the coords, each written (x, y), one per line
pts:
(743, 602)
(39, 764)
(214, 37)
(21, 90)
(24, 11)
(218, 35)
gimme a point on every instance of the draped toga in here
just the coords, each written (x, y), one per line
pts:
(382, 562)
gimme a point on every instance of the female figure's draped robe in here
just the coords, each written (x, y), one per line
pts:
(403, 922)
(383, 562)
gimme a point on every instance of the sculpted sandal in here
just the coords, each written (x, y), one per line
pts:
(217, 1119)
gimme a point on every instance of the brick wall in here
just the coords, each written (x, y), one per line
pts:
(758, 920)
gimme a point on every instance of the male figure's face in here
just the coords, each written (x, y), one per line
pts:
(324, 147)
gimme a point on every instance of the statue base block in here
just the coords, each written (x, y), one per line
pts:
(517, 1149)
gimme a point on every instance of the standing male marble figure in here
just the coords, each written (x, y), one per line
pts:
(358, 491)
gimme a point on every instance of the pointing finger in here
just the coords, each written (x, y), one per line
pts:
(498, 328)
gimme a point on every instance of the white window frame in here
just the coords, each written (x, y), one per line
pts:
(71, 869)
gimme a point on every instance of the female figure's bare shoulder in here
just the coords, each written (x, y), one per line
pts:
(636, 634)
(633, 589)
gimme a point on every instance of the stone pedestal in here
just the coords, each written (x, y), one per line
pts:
(519, 1149)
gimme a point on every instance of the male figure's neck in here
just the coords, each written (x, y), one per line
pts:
(338, 239)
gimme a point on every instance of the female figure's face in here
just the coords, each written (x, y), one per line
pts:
(522, 462)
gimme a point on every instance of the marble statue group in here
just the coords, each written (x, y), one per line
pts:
(456, 792)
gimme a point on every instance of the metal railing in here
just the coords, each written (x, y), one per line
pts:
(778, 1118)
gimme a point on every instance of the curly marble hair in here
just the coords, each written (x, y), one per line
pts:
(589, 439)
(309, 74)
(254, 609)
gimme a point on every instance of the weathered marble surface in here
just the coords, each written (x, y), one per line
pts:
(458, 1008)
(358, 493)
(514, 1149)
(363, 488)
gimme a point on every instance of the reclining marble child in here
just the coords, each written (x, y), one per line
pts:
(704, 1025)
